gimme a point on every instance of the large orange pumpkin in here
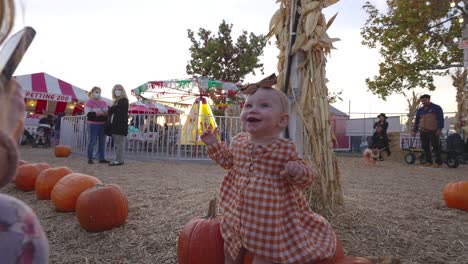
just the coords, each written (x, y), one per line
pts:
(47, 179)
(456, 195)
(26, 175)
(62, 151)
(20, 162)
(200, 241)
(102, 207)
(67, 190)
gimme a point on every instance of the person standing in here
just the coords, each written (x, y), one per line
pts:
(382, 122)
(429, 122)
(96, 112)
(118, 114)
(58, 124)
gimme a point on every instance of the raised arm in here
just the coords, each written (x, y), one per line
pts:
(217, 151)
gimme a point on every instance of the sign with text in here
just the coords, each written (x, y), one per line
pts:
(47, 96)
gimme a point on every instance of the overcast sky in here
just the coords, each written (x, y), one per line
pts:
(104, 42)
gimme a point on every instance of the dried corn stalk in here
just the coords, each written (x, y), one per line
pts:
(459, 81)
(312, 43)
(413, 104)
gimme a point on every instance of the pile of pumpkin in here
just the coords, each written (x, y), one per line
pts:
(98, 206)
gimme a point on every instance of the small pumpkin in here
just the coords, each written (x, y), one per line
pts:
(26, 175)
(456, 195)
(102, 207)
(67, 190)
(62, 151)
(200, 240)
(47, 179)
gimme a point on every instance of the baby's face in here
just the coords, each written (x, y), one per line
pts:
(262, 115)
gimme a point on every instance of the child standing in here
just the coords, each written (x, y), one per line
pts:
(265, 212)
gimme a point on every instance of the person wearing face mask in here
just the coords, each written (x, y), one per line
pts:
(96, 112)
(118, 116)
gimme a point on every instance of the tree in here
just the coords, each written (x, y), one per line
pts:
(417, 41)
(218, 58)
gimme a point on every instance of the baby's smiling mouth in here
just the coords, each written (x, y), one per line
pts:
(252, 119)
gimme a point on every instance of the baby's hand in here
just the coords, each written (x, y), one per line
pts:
(292, 170)
(210, 137)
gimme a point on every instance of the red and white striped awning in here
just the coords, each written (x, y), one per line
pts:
(46, 94)
(42, 86)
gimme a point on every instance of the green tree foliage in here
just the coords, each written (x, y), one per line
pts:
(417, 40)
(217, 57)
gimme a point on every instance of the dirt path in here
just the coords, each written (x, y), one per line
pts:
(391, 209)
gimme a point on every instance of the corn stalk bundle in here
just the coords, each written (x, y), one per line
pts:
(459, 81)
(413, 104)
(312, 44)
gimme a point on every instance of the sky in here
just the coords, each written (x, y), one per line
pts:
(101, 43)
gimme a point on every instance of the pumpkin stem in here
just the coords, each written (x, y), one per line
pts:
(212, 209)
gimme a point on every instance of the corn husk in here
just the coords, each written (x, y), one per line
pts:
(313, 42)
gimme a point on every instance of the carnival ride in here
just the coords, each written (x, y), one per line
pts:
(196, 93)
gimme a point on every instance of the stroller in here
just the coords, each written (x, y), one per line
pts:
(43, 136)
(456, 150)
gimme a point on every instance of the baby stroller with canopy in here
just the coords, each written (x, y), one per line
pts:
(43, 134)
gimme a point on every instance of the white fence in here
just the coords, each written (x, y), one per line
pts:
(149, 138)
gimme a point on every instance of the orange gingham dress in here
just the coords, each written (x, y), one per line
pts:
(264, 212)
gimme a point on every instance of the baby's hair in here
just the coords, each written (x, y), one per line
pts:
(284, 100)
(90, 93)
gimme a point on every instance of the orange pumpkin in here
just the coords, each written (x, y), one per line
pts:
(200, 241)
(456, 195)
(67, 190)
(26, 175)
(47, 179)
(102, 207)
(62, 151)
(43, 165)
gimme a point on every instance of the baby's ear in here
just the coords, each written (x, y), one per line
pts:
(284, 121)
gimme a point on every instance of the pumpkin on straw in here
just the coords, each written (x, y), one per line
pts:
(26, 174)
(47, 179)
(102, 207)
(456, 195)
(200, 241)
(67, 190)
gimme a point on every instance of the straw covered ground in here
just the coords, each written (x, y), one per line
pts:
(392, 209)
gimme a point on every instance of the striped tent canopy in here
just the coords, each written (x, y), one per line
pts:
(46, 94)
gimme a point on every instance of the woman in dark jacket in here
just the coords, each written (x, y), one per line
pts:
(118, 116)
